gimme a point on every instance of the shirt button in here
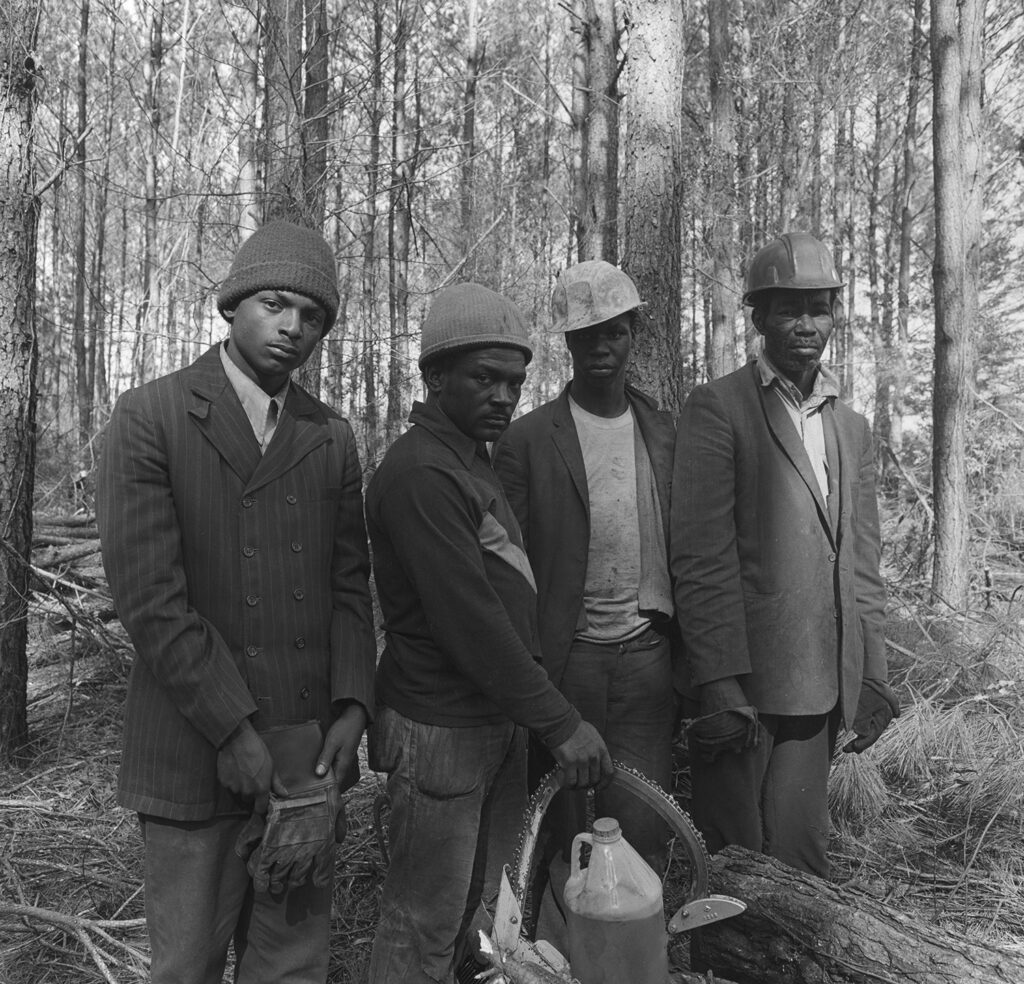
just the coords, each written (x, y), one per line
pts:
(248, 502)
(298, 594)
(252, 651)
(300, 643)
(304, 693)
(290, 499)
(249, 551)
(252, 600)
(296, 547)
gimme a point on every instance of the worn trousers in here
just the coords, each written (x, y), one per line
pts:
(625, 691)
(772, 799)
(458, 796)
(200, 899)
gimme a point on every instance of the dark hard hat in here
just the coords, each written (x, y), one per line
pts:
(794, 261)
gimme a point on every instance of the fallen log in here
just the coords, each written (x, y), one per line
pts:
(799, 929)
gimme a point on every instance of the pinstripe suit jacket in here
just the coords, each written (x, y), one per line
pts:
(241, 579)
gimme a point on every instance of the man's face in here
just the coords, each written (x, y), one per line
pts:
(796, 325)
(478, 391)
(272, 333)
(600, 352)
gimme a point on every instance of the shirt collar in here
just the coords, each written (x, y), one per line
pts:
(254, 400)
(826, 385)
(435, 420)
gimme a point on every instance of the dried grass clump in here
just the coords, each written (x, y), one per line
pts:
(857, 793)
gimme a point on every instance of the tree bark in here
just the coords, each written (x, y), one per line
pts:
(721, 354)
(799, 929)
(957, 30)
(83, 381)
(652, 253)
(476, 48)
(18, 352)
(900, 370)
(599, 137)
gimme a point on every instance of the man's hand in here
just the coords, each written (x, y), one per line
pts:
(876, 707)
(341, 747)
(584, 759)
(727, 723)
(244, 766)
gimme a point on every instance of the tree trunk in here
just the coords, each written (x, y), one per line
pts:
(900, 370)
(83, 382)
(476, 48)
(652, 253)
(600, 134)
(721, 352)
(148, 311)
(18, 223)
(957, 30)
(799, 929)
(403, 174)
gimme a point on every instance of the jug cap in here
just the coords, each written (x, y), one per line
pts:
(606, 830)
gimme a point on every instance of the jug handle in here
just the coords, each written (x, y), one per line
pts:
(577, 842)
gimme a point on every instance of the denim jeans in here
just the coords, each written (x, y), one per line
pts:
(200, 898)
(458, 796)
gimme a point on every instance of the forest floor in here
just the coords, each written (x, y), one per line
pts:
(930, 820)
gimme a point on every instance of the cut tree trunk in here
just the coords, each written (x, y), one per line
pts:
(799, 929)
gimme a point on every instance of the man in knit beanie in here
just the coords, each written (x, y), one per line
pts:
(230, 511)
(459, 681)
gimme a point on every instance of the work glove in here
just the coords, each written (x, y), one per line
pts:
(876, 707)
(295, 841)
(730, 730)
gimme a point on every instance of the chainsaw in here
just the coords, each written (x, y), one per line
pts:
(515, 958)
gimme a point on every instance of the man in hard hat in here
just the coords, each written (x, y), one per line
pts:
(459, 679)
(588, 476)
(230, 512)
(775, 552)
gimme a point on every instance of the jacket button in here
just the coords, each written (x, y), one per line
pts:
(835, 613)
(296, 547)
(298, 594)
(252, 600)
(831, 558)
(248, 502)
(304, 693)
(249, 551)
(300, 643)
(252, 651)
(290, 499)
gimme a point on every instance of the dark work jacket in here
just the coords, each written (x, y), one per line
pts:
(455, 588)
(241, 578)
(540, 463)
(769, 586)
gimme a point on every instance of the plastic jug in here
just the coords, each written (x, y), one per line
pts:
(614, 912)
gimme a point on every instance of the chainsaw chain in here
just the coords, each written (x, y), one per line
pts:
(639, 785)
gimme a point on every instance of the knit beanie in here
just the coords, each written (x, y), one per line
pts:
(469, 316)
(283, 256)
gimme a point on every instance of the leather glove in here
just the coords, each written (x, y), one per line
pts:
(730, 730)
(876, 707)
(297, 841)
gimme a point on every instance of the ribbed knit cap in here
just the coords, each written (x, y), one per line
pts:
(469, 316)
(283, 256)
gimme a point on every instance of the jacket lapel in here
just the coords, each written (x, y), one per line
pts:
(660, 442)
(217, 412)
(787, 438)
(568, 444)
(299, 430)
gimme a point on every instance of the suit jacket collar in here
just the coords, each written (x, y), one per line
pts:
(217, 411)
(646, 412)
